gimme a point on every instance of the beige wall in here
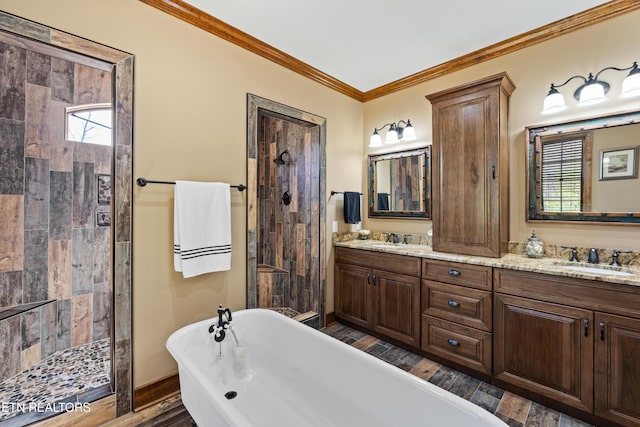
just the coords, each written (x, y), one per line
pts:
(190, 119)
(612, 43)
(190, 123)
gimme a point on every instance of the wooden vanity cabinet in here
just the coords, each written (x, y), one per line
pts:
(617, 369)
(470, 191)
(379, 292)
(456, 313)
(544, 348)
(572, 340)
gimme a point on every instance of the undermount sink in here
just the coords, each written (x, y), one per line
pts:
(379, 244)
(601, 270)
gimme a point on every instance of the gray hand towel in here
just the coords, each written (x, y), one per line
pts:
(351, 207)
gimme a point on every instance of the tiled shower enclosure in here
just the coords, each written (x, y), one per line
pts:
(55, 254)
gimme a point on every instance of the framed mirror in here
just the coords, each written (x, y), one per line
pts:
(585, 170)
(399, 184)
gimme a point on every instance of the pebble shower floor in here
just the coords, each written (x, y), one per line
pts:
(66, 378)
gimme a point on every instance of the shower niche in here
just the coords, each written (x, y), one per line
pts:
(286, 245)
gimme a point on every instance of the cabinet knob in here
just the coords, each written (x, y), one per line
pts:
(602, 331)
(453, 342)
(454, 273)
(453, 303)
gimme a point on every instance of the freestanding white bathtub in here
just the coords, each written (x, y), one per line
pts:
(287, 374)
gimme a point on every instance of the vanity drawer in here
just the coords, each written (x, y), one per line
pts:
(470, 307)
(460, 344)
(474, 276)
(402, 264)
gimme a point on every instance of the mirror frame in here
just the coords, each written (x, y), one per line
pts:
(532, 179)
(426, 181)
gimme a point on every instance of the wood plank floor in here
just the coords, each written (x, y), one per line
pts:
(514, 410)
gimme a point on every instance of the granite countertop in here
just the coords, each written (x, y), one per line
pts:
(556, 266)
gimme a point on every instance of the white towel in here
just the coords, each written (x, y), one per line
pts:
(201, 227)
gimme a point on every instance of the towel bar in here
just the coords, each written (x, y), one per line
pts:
(141, 182)
(340, 192)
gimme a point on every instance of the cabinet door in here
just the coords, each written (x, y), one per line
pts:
(617, 369)
(546, 348)
(353, 294)
(396, 306)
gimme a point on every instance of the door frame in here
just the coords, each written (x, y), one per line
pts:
(255, 105)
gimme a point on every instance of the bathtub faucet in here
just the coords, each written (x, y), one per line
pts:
(219, 330)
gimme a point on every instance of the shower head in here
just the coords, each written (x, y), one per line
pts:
(279, 160)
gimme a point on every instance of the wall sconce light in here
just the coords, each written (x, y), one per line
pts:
(593, 90)
(396, 132)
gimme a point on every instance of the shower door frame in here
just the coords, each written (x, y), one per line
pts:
(256, 105)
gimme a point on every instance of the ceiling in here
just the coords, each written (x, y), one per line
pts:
(370, 43)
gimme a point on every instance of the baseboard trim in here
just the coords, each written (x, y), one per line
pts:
(330, 318)
(152, 393)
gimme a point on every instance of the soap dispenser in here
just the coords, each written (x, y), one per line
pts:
(534, 246)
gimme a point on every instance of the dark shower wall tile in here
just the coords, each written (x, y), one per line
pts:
(60, 150)
(38, 68)
(61, 80)
(48, 315)
(124, 105)
(63, 327)
(122, 370)
(36, 194)
(82, 261)
(38, 117)
(103, 159)
(61, 212)
(13, 65)
(81, 319)
(121, 186)
(84, 190)
(11, 157)
(9, 347)
(12, 236)
(10, 288)
(122, 291)
(36, 262)
(60, 269)
(91, 85)
(101, 315)
(30, 326)
(101, 254)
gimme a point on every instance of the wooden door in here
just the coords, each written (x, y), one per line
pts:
(396, 306)
(353, 294)
(546, 348)
(617, 369)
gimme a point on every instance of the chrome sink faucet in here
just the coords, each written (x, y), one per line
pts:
(615, 255)
(593, 256)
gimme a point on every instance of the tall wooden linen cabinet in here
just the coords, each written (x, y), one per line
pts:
(470, 176)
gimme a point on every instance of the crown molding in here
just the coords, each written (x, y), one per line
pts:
(204, 21)
(575, 22)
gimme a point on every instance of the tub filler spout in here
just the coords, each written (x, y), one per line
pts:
(220, 328)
